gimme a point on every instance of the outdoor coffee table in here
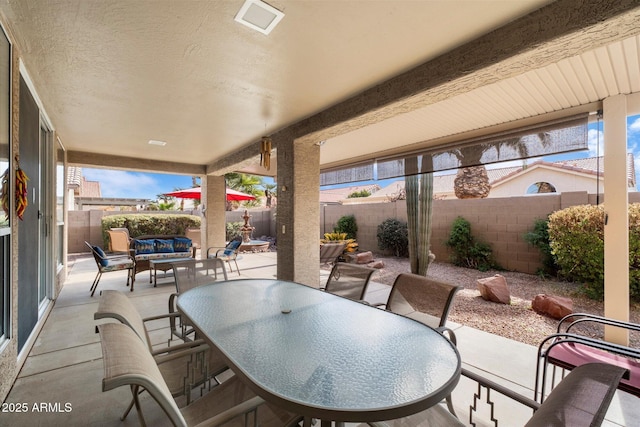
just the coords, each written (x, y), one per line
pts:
(164, 265)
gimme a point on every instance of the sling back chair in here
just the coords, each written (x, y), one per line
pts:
(188, 275)
(568, 348)
(423, 299)
(184, 365)
(330, 252)
(581, 399)
(349, 280)
(119, 241)
(127, 362)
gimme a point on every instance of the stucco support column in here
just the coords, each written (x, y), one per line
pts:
(298, 215)
(616, 229)
(214, 206)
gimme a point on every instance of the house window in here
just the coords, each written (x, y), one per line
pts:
(541, 188)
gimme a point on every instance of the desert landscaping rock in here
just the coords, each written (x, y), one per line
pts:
(553, 306)
(376, 264)
(364, 257)
(494, 289)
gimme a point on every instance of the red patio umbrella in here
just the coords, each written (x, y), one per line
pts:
(194, 193)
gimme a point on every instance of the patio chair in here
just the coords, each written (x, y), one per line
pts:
(183, 366)
(228, 253)
(348, 280)
(423, 299)
(195, 235)
(119, 240)
(188, 275)
(127, 362)
(108, 264)
(330, 252)
(581, 399)
(568, 348)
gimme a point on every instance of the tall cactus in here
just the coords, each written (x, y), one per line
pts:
(426, 209)
(412, 190)
(419, 191)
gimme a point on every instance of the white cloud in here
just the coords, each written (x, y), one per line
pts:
(594, 137)
(634, 126)
(123, 184)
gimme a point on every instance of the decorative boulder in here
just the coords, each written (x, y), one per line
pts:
(552, 306)
(351, 258)
(376, 264)
(364, 257)
(494, 289)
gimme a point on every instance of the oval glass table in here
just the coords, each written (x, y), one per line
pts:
(320, 355)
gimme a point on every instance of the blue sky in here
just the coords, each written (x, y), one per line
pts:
(124, 184)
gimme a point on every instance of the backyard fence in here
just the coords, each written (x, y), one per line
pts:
(500, 222)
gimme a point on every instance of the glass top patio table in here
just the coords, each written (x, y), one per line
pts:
(320, 355)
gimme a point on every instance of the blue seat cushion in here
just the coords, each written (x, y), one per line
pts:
(99, 251)
(144, 246)
(181, 244)
(231, 247)
(164, 245)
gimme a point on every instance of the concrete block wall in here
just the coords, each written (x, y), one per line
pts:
(260, 220)
(79, 230)
(87, 225)
(501, 222)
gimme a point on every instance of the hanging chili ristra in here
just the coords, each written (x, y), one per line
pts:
(21, 192)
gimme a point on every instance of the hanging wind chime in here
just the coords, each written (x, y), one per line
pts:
(21, 191)
(265, 153)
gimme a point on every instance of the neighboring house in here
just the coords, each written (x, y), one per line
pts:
(341, 195)
(87, 195)
(536, 178)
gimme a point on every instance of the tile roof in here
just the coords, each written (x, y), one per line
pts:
(90, 188)
(444, 183)
(334, 195)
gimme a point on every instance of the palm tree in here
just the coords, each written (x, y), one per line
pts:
(269, 191)
(250, 184)
(472, 181)
(163, 203)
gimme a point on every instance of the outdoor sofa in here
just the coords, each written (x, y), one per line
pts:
(152, 247)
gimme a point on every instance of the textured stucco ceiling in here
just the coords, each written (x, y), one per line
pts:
(114, 74)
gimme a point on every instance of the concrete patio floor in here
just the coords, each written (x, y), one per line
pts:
(60, 382)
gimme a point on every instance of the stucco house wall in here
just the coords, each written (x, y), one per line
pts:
(562, 180)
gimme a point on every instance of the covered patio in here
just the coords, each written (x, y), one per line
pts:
(64, 368)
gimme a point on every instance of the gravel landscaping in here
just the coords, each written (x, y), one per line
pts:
(516, 321)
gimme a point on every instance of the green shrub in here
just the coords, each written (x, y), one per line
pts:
(539, 237)
(577, 241)
(361, 193)
(232, 230)
(634, 251)
(347, 224)
(393, 235)
(139, 225)
(467, 252)
(576, 237)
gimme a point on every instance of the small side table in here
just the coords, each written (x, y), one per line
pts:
(164, 265)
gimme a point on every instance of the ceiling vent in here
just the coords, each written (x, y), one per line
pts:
(258, 15)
